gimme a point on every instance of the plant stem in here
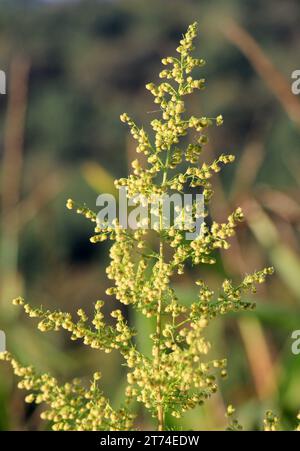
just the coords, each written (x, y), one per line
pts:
(160, 410)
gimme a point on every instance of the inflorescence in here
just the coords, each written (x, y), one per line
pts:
(179, 375)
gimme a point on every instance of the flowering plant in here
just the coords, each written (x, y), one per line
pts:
(179, 375)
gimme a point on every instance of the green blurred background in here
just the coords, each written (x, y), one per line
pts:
(72, 68)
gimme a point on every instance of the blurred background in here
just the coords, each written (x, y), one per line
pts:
(72, 67)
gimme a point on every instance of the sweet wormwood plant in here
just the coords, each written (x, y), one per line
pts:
(178, 376)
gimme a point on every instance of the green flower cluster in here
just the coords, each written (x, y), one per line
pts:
(179, 375)
(99, 335)
(70, 406)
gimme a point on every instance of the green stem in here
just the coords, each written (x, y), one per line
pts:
(160, 409)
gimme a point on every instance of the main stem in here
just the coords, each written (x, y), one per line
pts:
(160, 408)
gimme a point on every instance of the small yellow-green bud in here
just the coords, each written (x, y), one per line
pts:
(70, 204)
(124, 117)
(230, 410)
(219, 120)
(97, 376)
(18, 301)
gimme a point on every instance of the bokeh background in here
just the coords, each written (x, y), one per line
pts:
(72, 68)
